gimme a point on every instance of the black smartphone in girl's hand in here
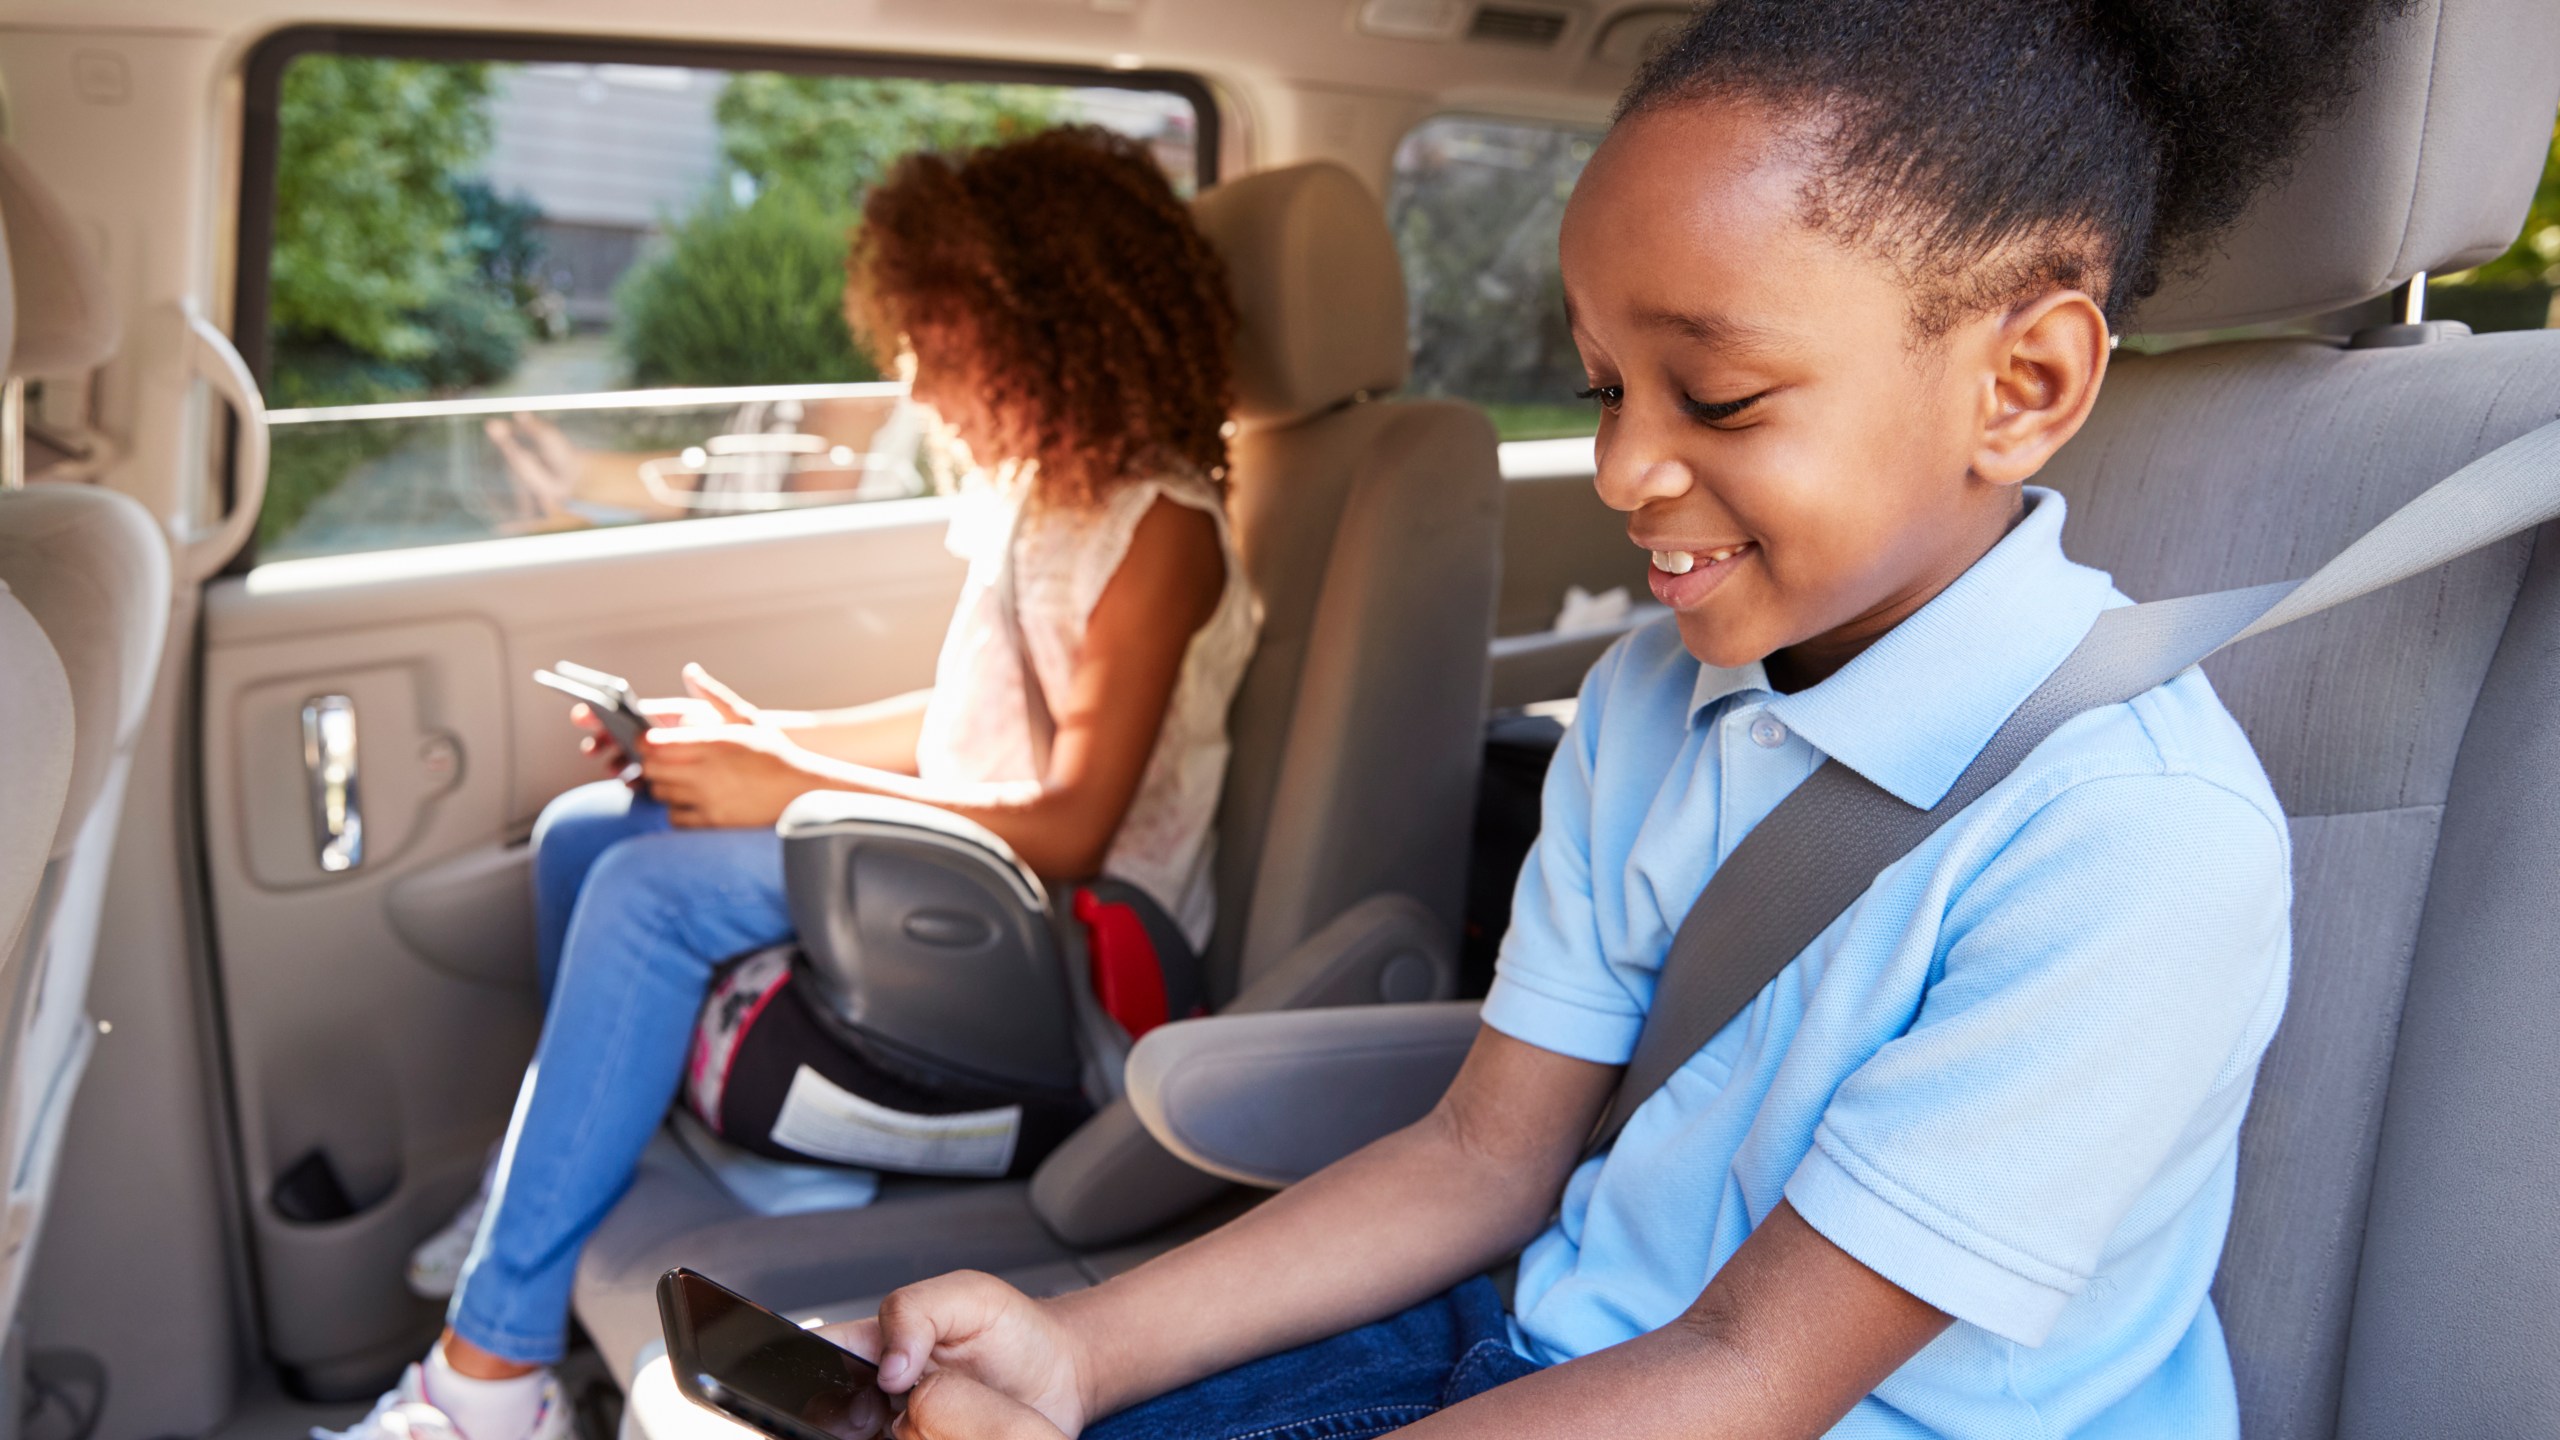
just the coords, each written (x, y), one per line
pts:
(611, 697)
(735, 1356)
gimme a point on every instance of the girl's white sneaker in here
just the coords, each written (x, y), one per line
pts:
(435, 1267)
(405, 1413)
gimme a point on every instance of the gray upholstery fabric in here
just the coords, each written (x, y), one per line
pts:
(2429, 169)
(35, 762)
(2238, 464)
(1112, 1179)
(93, 569)
(2181, 484)
(66, 316)
(2456, 1326)
(675, 1214)
(1373, 546)
(2285, 1305)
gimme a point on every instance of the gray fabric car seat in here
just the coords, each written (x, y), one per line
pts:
(92, 570)
(2391, 1269)
(1371, 531)
(35, 731)
(35, 767)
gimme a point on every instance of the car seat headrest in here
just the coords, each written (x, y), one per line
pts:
(2429, 167)
(92, 567)
(1319, 291)
(66, 319)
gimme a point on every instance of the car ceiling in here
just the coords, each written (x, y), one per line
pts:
(1263, 50)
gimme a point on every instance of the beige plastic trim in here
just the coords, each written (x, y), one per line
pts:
(1267, 1100)
(213, 360)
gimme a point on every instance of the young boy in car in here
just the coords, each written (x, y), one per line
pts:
(1844, 275)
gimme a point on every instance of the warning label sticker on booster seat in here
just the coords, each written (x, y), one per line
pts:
(823, 1119)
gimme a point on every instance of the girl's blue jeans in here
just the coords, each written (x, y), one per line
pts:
(631, 915)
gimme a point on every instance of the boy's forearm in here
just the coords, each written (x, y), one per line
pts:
(1787, 1337)
(1394, 1224)
(1400, 1221)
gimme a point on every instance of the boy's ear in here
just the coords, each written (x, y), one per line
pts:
(2047, 359)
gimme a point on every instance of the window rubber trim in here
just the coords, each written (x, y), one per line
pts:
(263, 90)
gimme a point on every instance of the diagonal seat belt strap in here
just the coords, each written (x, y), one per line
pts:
(1819, 850)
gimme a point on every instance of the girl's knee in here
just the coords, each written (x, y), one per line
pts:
(588, 812)
(655, 879)
(691, 894)
(637, 870)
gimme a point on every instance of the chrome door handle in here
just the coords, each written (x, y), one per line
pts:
(329, 760)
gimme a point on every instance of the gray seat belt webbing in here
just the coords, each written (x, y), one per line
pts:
(1819, 850)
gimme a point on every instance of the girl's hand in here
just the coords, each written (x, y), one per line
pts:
(722, 701)
(1001, 1363)
(710, 704)
(666, 714)
(724, 776)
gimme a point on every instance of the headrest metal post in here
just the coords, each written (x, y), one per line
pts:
(13, 434)
(2413, 299)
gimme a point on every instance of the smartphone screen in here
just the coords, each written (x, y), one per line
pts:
(735, 1356)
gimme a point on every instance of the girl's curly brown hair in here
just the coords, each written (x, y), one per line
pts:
(1059, 281)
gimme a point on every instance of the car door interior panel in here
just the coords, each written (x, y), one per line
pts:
(380, 1013)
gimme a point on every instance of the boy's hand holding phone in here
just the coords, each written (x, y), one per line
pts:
(976, 1358)
(948, 1405)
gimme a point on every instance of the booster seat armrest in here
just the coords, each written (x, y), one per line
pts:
(1269, 1099)
(821, 830)
(909, 918)
(821, 813)
(1112, 1182)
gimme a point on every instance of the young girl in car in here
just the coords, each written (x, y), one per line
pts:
(1845, 274)
(1054, 305)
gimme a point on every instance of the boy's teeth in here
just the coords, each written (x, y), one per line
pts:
(1681, 562)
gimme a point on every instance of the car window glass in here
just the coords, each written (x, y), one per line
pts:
(516, 297)
(1475, 205)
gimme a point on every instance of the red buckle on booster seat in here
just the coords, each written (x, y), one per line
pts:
(1128, 978)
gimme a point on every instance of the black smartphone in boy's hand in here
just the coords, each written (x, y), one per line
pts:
(735, 1356)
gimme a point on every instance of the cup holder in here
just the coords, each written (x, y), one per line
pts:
(312, 1192)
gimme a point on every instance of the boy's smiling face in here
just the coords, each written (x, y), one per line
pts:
(1807, 472)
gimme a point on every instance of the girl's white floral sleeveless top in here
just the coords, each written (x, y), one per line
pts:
(977, 726)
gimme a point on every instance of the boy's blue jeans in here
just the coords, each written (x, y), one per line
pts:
(1364, 1382)
(631, 916)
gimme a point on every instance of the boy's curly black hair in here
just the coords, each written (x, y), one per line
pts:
(1060, 278)
(1995, 148)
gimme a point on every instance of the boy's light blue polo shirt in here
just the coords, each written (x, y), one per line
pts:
(2010, 1079)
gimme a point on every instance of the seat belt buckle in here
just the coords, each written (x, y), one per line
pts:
(1128, 975)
